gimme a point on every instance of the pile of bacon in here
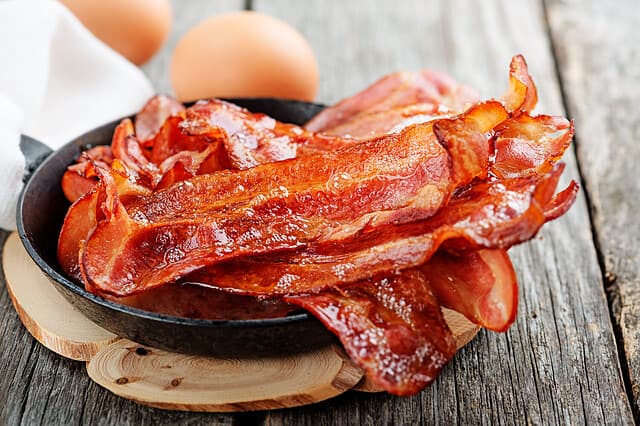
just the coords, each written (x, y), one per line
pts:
(383, 208)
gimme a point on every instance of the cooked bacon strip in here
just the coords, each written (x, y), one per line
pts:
(85, 213)
(527, 145)
(153, 114)
(187, 164)
(254, 139)
(392, 327)
(488, 215)
(177, 173)
(376, 124)
(558, 205)
(126, 147)
(208, 155)
(75, 182)
(173, 138)
(81, 219)
(191, 225)
(395, 90)
(410, 169)
(522, 95)
(480, 284)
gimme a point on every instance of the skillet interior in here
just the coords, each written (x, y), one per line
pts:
(41, 210)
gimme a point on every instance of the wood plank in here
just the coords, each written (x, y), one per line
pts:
(558, 362)
(597, 45)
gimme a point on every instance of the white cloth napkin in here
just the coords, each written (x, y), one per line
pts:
(56, 81)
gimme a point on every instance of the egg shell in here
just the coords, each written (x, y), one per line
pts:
(134, 28)
(244, 54)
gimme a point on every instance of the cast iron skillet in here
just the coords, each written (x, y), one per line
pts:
(41, 210)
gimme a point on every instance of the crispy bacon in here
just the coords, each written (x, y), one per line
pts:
(522, 95)
(393, 91)
(195, 155)
(127, 148)
(390, 326)
(75, 182)
(173, 139)
(488, 215)
(78, 223)
(153, 114)
(527, 145)
(480, 284)
(200, 227)
(85, 213)
(254, 139)
(371, 227)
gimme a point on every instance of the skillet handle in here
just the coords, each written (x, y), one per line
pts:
(35, 152)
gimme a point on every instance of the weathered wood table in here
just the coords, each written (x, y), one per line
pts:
(573, 355)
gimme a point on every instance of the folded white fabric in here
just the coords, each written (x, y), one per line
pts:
(56, 81)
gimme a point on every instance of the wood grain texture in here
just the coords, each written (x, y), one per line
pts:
(599, 63)
(47, 315)
(195, 383)
(558, 363)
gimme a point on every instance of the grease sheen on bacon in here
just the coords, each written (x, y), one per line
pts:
(480, 284)
(498, 214)
(420, 213)
(392, 327)
(216, 217)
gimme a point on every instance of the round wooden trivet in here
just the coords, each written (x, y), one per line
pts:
(196, 383)
(47, 315)
(176, 381)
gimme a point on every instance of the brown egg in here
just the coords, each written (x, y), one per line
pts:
(244, 54)
(134, 28)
